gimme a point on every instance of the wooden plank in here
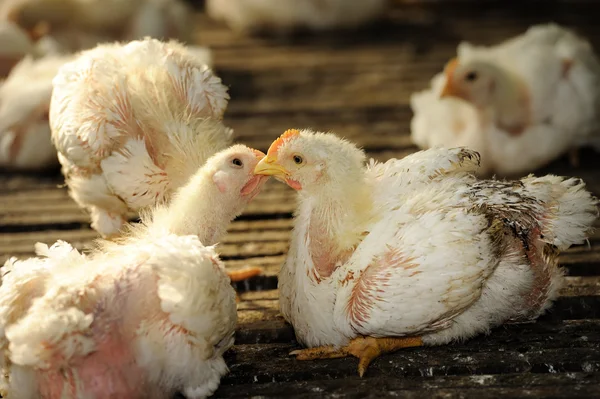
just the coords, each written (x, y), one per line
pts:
(268, 363)
(482, 386)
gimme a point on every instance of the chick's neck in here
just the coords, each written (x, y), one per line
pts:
(338, 216)
(511, 104)
(197, 208)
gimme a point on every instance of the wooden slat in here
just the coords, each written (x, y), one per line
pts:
(481, 386)
(268, 363)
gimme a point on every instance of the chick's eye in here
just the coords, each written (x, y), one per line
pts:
(237, 162)
(471, 76)
(298, 159)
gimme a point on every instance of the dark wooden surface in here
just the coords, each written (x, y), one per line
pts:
(358, 85)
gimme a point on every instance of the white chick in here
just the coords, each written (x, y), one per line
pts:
(415, 251)
(143, 317)
(521, 103)
(132, 122)
(24, 103)
(283, 16)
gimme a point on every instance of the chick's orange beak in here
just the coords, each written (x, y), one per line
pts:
(449, 88)
(268, 166)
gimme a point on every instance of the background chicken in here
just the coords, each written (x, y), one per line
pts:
(132, 123)
(24, 103)
(82, 24)
(415, 251)
(143, 317)
(283, 16)
(521, 103)
(14, 45)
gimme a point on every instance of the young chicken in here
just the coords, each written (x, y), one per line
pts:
(282, 16)
(521, 104)
(132, 122)
(24, 102)
(415, 251)
(143, 317)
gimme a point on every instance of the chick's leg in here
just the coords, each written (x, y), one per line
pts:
(106, 223)
(244, 274)
(364, 348)
(574, 157)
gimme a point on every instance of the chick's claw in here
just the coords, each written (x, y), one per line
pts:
(320, 352)
(366, 349)
(244, 274)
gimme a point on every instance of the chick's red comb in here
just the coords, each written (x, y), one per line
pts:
(288, 134)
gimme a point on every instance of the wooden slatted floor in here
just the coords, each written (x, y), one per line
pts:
(358, 85)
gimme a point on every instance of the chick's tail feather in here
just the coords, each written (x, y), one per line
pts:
(571, 209)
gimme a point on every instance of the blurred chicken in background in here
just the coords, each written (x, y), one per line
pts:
(520, 104)
(283, 16)
(14, 45)
(81, 24)
(37, 36)
(24, 103)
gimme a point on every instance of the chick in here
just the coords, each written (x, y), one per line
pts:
(284, 16)
(24, 105)
(415, 251)
(533, 98)
(143, 317)
(132, 122)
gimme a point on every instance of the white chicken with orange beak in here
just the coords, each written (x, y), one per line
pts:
(143, 317)
(521, 103)
(415, 251)
(132, 122)
(284, 16)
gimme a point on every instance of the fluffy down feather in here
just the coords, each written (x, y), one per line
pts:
(132, 122)
(520, 104)
(283, 16)
(143, 317)
(416, 246)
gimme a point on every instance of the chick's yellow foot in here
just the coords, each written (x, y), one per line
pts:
(244, 274)
(364, 348)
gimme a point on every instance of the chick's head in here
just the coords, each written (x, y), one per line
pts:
(310, 161)
(232, 172)
(474, 82)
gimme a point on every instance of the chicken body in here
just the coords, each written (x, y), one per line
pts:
(282, 16)
(132, 123)
(24, 105)
(415, 251)
(520, 104)
(143, 317)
